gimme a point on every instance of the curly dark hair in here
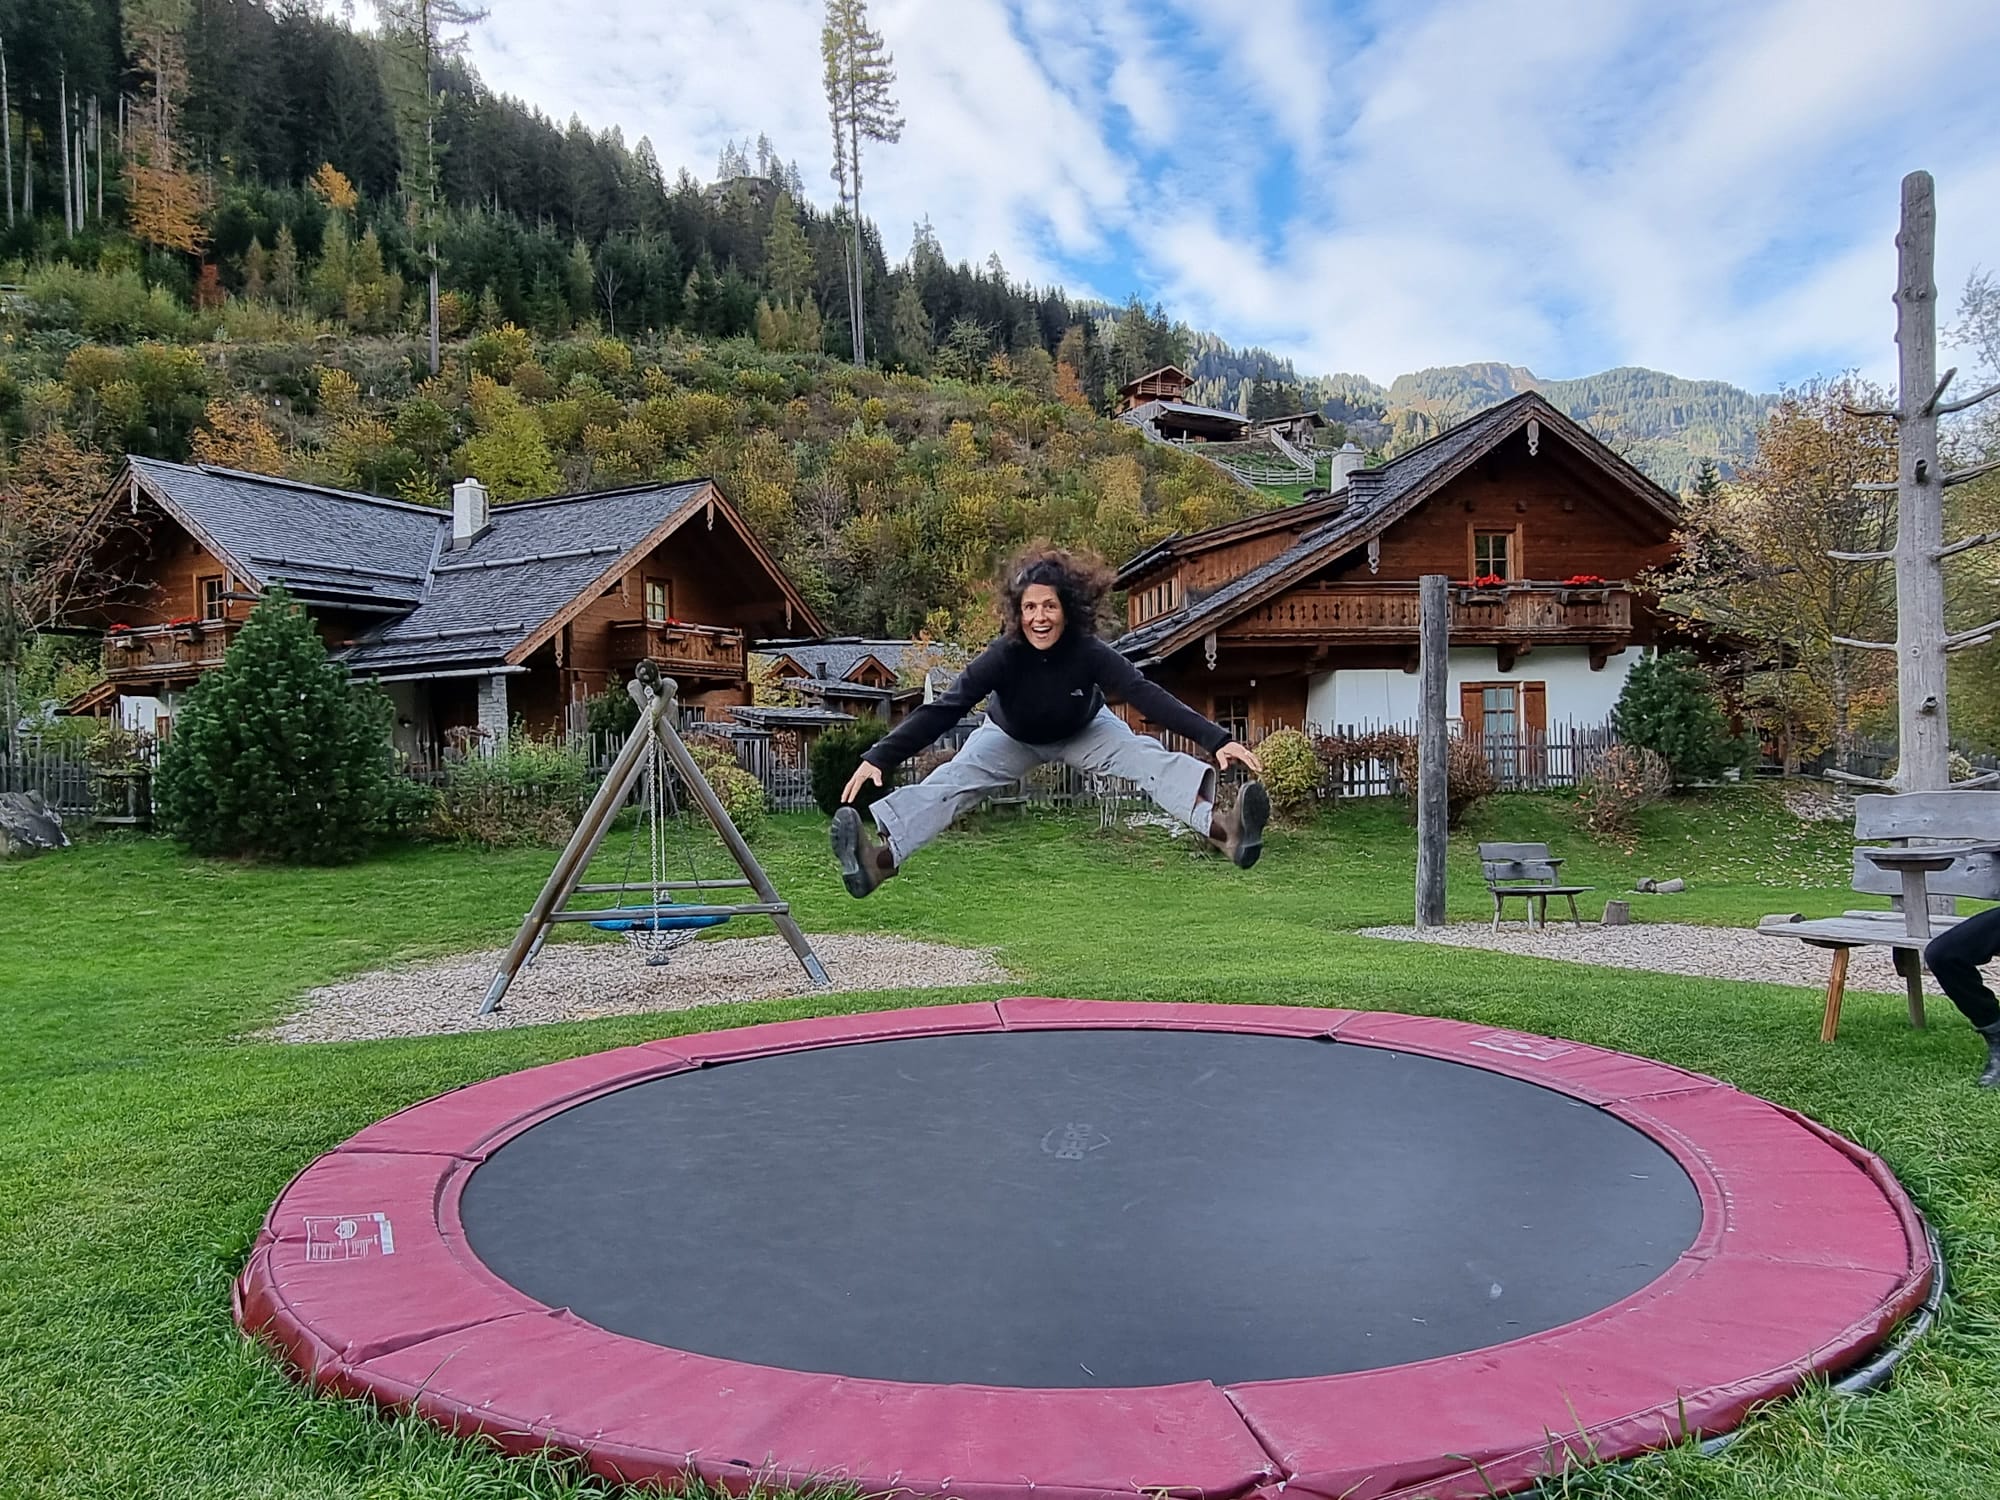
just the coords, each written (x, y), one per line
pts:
(1080, 580)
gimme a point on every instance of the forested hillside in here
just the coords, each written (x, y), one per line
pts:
(249, 233)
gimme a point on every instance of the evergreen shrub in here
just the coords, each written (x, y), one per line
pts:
(1667, 706)
(277, 755)
(835, 757)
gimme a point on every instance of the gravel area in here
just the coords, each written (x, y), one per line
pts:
(1672, 948)
(583, 981)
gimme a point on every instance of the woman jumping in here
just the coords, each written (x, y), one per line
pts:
(1045, 681)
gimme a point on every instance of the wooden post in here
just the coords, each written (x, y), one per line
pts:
(1836, 991)
(1924, 748)
(1433, 749)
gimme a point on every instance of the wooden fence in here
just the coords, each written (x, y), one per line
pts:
(76, 789)
(1529, 761)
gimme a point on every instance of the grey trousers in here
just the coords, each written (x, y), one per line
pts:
(993, 760)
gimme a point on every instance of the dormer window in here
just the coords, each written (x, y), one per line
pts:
(1160, 599)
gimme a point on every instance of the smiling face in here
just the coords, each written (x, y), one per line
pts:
(1041, 616)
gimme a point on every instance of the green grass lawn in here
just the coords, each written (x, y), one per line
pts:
(143, 1138)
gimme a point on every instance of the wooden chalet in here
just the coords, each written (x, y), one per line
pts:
(1155, 402)
(1168, 383)
(1308, 615)
(1293, 427)
(858, 676)
(471, 619)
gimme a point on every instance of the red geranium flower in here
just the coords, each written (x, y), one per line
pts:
(1579, 580)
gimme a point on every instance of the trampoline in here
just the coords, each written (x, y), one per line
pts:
(1080, 1248)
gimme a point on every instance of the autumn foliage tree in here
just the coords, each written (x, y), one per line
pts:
(1754, 557)
(48, 497)
(234, 435)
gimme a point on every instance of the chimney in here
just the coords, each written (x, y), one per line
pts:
(469, 513)
(1347, 461)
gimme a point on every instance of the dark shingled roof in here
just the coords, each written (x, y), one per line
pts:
(318, 542)
(468, 608)
(536, 557)
(780, 718)
(1376, 498)
(842, 655)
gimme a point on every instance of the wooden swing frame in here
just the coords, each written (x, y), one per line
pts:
(658, 698)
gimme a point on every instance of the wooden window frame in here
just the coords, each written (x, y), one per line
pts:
(1516, 568)
(666, 587)
(1225, 719)
(201, 583)
(1531, 705)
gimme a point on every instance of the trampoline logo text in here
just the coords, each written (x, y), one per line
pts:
(348, 1236)
(1073, 1142)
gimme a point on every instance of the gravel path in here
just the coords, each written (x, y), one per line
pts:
(582, 981)
(1672, 948)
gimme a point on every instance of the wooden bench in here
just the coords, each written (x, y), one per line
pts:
(1958, 854)
(1529, 872)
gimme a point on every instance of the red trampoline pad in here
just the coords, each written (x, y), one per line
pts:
(1806, 1256)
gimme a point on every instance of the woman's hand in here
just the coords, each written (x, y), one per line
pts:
(868, 771)
(1237, 753)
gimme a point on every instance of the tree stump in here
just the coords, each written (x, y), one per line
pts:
(1617, 913)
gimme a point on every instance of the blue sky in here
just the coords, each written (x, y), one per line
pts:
(1708, 187)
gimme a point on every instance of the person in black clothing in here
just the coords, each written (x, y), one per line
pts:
(1045, 681)
(1955, 955)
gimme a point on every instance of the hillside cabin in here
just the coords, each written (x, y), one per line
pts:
(1294, 427)
(471, 619)
(1307, 615)
(1168, 383)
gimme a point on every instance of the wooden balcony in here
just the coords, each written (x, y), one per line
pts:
(166, 654)
(682, 651)
(1520, 612)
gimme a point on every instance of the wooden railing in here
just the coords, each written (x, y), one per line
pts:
(686, 650)
(1520, 611)
(159, 653)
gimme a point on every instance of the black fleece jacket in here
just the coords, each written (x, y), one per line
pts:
(1044, 697)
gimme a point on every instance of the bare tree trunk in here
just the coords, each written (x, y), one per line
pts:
(860, 302)
(1433, 752)
(62, 142)
(7, 133)
(1843, 707)
(97, 135)
(1924, 754)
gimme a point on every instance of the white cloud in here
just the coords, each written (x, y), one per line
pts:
(1710, 189)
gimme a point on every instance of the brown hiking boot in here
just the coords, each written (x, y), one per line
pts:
(1239, 833)
(864, 864)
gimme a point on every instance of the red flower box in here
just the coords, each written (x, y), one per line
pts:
(1582, 580)
(1488, 581)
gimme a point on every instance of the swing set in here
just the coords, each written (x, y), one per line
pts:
(653, 760)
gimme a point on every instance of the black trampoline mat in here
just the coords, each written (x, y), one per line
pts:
(1081, 1208)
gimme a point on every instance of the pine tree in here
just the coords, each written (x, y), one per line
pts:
(858, 74)
(256, 270)
(419, 37)
(277, 755)
(1707, 481)
(788, 263)
(1667, 706)
(910, 327)
(285, 268)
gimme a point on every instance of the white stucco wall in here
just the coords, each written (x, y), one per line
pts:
(139, 715)
(1576, 695)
